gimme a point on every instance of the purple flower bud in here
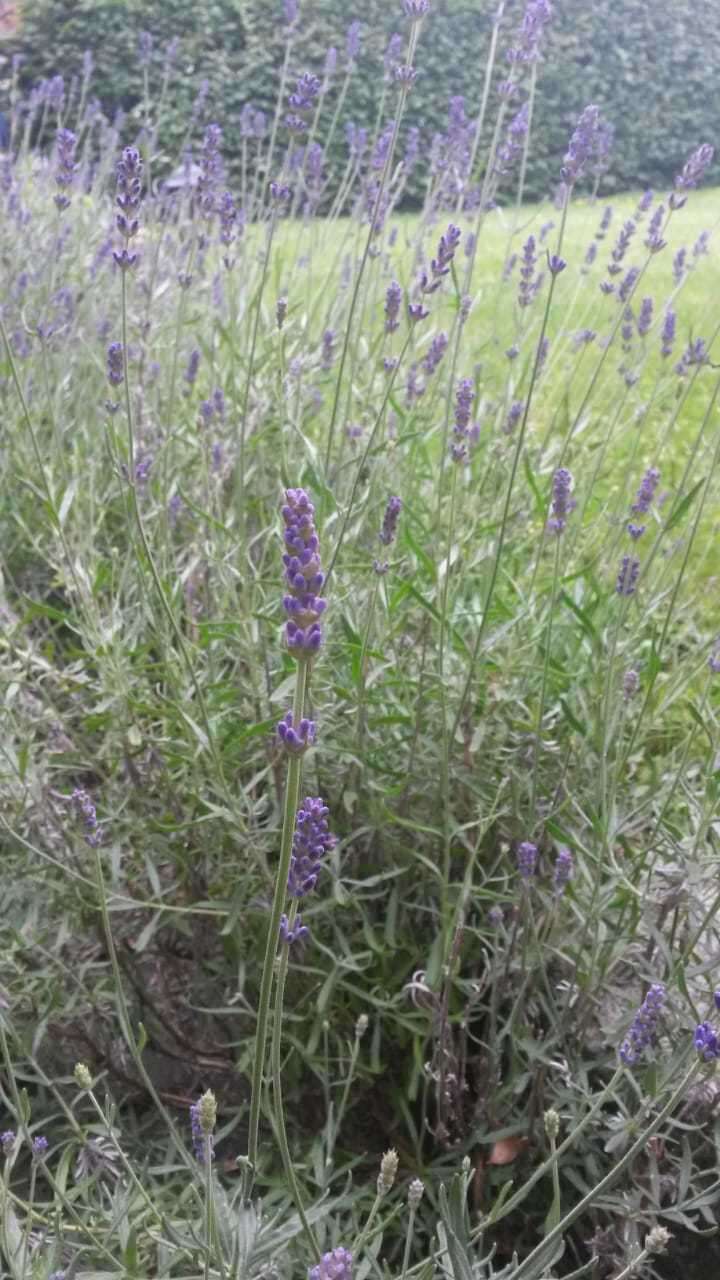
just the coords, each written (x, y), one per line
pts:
(296, 739)
(338, 1264)
(416, 311)
(714, 659)
(39, 1147)
(667, 333)
(515, 413)
(353, 40)
(404, 76)
(328, 349)
(66, 166)
(281, 307)
(298, 933)
(654, 241)
(434, 353)
(200, 1140)
(644, 319)
(7, 1142)
(706, 1042)
(585, 146)
(556, 264)
(679, 265)
(415, 9)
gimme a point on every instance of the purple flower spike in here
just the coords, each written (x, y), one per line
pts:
(303, 575)
(643, 1030)
(630, 684)
(353, 40)
(434, 353)
(646, 492)
(562, 500)
(667, 334)
(527, 859)
(311, 841)
(416, 9)
(556, 264)
(390, 520)
(66, 166)
(714, 659)
(585, 146)
(336, 1265)
(129, 188)
(706, 1042)
(298, 933)
(416, 311)
(692, 173)
(296, 740)
(628, 576)
(115, 364)
(7, 1142)
(39, 1147)
(198, 1134)
(563, 870)
(440, 265)
(393, 302)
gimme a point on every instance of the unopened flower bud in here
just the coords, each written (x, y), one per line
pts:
(82, 1076)
(207, 1112)
(552, 1123)
(388, 1172)
(657, 1240)
(415, 1193)
(361, 1026)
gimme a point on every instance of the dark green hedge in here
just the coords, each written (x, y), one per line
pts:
(654, 73)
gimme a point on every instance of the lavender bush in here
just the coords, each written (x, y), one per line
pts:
(360, 757)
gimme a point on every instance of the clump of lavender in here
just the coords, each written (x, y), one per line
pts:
(562, 501)
(303, 575)
(643, 1029)
(66, 166)
(464, 396)
(692, 174)
(627, 576)
(129, 188)
(527, 859)
(338, 1264)
(563, 870)
(296, 739)
(311, 841)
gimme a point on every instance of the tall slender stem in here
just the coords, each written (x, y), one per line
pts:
(292, 796)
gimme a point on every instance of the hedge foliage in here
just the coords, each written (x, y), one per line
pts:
(654, 78)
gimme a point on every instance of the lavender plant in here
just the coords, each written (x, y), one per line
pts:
(508, 723)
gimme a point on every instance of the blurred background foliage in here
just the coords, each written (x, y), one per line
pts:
(653, 73)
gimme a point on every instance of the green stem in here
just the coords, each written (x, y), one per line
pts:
(372, 230)
(281, 1131)
(543, 687)
(292, 797)
(240, 476)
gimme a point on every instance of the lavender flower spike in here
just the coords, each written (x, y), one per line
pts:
(646, 492)
(303, 575)
(129, 187)
(563, 869)
(311, 841)
(583, 147)
(66, 166)
(390, 519)
(692, 173)
(416, 9)
(627, 576)
(336, 1265)
(706, 1042)
(643, 1029)
(115, 365)
(298, 932)
(296, 739)
(527, 859)
(393, 302)
(562, 501)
